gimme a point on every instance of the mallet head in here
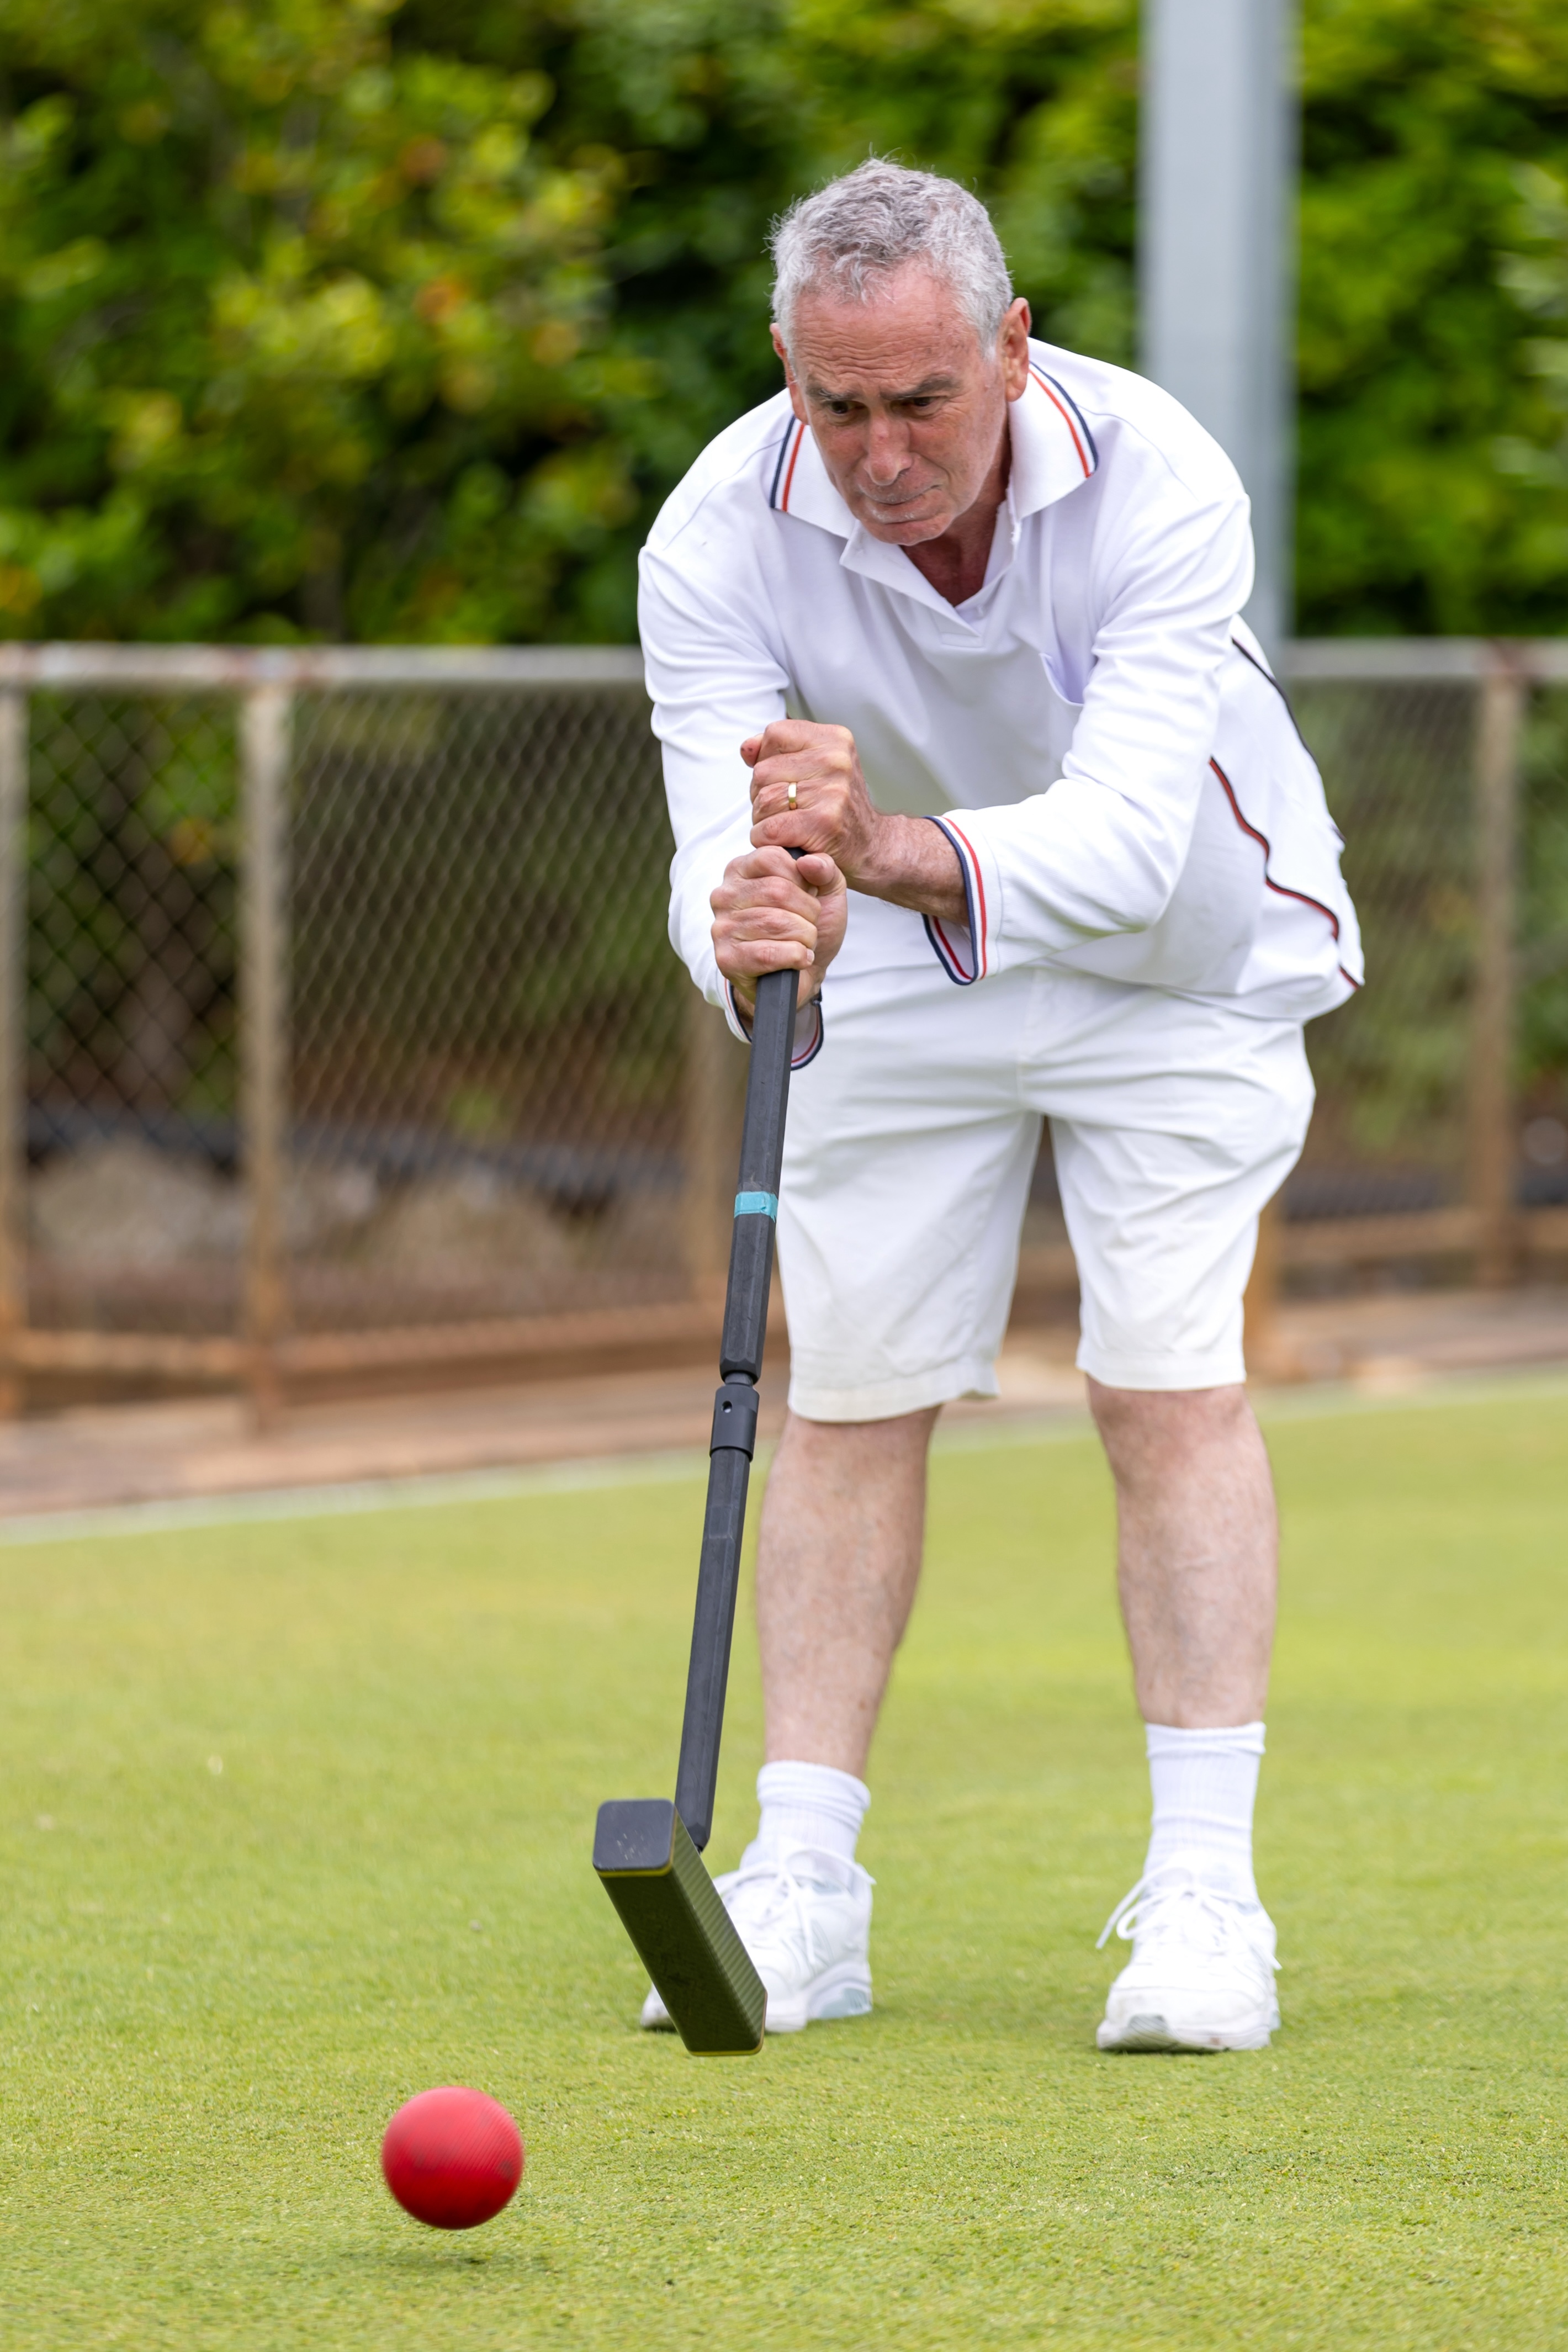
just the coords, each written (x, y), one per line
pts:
(684, 1936)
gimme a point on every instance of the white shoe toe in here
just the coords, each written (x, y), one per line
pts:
(656, 2018)
(805, 1919)
(1202, 1972)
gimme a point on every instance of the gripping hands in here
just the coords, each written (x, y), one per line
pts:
(808, 795)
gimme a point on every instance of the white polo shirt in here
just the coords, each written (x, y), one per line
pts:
(1095, 730)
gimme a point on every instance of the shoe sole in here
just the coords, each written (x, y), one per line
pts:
(1146, 2033)
(841, 1992)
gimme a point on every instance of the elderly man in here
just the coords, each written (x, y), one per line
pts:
(956, 615)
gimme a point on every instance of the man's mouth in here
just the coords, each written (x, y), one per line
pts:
(896, 506)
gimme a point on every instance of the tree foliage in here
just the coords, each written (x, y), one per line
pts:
(345, 316)
(307, 330)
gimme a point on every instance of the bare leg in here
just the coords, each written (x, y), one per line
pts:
(838, 1563)
(1198, 1549)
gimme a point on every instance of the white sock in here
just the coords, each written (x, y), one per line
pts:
(1204, 1784)
(808, 1804)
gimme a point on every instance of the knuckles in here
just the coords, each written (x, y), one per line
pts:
(766, 891)
(802, 735)
(764, 923)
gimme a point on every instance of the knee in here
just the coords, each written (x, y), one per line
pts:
(860, 1448)
(1159, 1430)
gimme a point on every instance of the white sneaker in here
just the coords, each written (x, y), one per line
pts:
(1202, 1971)
(805, 1918)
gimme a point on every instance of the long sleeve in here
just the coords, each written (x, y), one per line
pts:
(713, 680)
(1101, 852)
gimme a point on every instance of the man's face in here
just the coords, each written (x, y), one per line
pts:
(908, 408)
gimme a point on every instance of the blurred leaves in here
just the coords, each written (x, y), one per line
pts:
(348, 317)
(1536, 274)
(1414, 358)
(274, 288)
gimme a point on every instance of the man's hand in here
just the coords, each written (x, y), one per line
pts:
(773, 913)
(896, 857)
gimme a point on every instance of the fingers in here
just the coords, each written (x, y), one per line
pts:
(770, 875)
(787, 738)
(799, 809)
(809, 768)
(768, 912)
(748, 960)
(820, 875)
(806, 790)
(776, 796)
(792, 750)
(765, 917)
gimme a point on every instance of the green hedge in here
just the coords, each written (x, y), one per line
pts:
(334, 317)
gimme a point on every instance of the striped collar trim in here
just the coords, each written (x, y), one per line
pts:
(1053, 449)
(786, 457)
(1053, 452)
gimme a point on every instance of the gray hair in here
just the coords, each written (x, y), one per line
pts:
(852, 235)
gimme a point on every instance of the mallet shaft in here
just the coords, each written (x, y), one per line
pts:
(735, 1407)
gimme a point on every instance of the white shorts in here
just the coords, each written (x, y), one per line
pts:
(911, 1142)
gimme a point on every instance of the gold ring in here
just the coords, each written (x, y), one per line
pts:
(793, 803)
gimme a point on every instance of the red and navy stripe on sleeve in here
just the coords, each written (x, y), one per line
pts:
(963, 963)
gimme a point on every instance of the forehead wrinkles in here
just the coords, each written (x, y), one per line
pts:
(910, 333)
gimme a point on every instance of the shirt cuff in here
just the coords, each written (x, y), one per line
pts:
(809, 1028)
(965, 951)
(809, 1033)
(732, 1013)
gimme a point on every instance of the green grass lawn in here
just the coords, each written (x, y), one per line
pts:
(218, 1983)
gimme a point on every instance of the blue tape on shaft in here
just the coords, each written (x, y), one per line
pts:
(756, 1204)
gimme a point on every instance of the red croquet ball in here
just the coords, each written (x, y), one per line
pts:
(452, 2158)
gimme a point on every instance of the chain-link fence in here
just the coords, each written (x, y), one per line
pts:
(133, 1219)
(1441, 1131)
(343, 1027)
(488, 1037)
(338, 1031)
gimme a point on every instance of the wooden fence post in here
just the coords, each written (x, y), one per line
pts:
(13, 1041)
(265, 730)
(1491, 1106)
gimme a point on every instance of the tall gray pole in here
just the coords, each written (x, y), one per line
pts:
(1217, 155)
(266, 734)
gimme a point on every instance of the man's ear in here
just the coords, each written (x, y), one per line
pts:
(796, 398)
(1013, 348)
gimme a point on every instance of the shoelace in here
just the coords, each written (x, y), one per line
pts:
(1160, 1893)
(785, 1911)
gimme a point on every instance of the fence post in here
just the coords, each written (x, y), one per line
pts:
(1491, 1105)
(709, 1144)
(13, 1042)
(266, 724)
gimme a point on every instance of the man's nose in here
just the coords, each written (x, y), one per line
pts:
(887, 452)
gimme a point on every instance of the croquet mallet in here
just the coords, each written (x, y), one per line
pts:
(645, 1849)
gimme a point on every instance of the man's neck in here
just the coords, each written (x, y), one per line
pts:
(956, 564)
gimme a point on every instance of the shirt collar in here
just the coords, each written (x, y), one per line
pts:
(1053, 449)
(1053, 452)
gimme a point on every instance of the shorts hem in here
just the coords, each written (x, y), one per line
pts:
(1222, 1369)
(970, 1376)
